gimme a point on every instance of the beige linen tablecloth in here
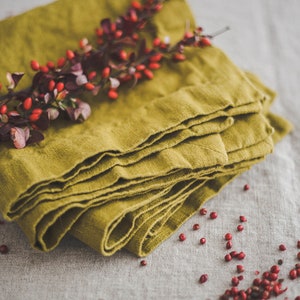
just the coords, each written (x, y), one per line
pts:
(262, 40)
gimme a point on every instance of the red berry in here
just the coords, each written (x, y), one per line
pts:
(202, 241)
(143, 263)
(34, 65)
(137, 75)
(37, 111)
(123, 54)
(246, 187)
(118, 34)
(205, 41)
(156, 42)
(61, 62)
(229, 245)
(44, 69)
(273, 276)
(241, 255)
(298, 244)
(188, 35)
(196, 226)
(179, 57)
(27, 103)
(92, 75)
(136, 5)
(275, 269)
(148, 73)
(89, 86)
(243, 219)
(154, 66)
(133, 16)
(298, 255)
(3, 249)
(99, 32)
(240, 268)
(203, 211)
(213, 215)
(203, 278)
(234, 253)
(235, 281)
(106, 72)
(113, 27)
(158, 7)
(50, 65)
(60, 86)
(70, 54)
(156, 57)
(240, 277)
(228, 236)
(34, 117)
(240, 228)
(227, 257)
(234, 291)
(293, 274)
(112, 94)
(182, 237)
(257, 282)
(51, 85)
(282, 247)
(3, 109)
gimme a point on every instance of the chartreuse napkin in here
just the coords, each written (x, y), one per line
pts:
(131, 174)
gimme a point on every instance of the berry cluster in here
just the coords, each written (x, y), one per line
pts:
(120, 55)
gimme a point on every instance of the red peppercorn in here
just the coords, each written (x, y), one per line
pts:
(293, 274)
(257, 282)
(123, 54)
(282, 247)
(196, 226)
(149, 74)
(229, 245)
(275, 269)
(50, 65)
(182, 237)
(228, 236)
(203, 211)
(234, 291)
(240, 268)
(60, 86)
(3, 109)
(202, 241)
(246, 187)
(298, 244)
(112, 94)
(178, 57)
(228, 257)
(70, 54)
(240, 277)
(44, 69)
(51, 85)
(213, 215)
(154, 66)
(298, 255)
(106, 72)
(243, 295)
(235, 281)
(280, 262)
(243, 219)
(203, 278)
(273, 276)
(240, 228)
(34, 65)
(297, 298)
(241, 255)
(92, 75)
(61, 62)
(4, 249)
(27, 103)
(143, 263)
(234, 253)
(89, 86)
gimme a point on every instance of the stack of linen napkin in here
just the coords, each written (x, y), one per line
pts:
(140, 166)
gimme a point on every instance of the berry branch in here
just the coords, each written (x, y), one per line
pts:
(120, 55)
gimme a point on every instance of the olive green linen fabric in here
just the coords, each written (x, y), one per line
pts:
(140, 166)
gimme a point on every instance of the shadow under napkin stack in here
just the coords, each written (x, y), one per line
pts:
(140, 166)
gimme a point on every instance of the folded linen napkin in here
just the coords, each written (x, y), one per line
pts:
(140, 166)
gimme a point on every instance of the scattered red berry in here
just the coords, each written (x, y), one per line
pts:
(229, 245)
(228, 236)
(240, 268)
(240, 228)
(243, 219)
(293, 274)
(196, 226)
(246, 187)
(203, 211)
(241, 255)
(240, 277)
(282, 247)
(298, 244)
(143, 263)
(4, 249)
(228, 257)
(275, 269)
(213, 215)
(235, 281)
(182, 237)
(203, 278)
(298, 255)
(202, 241)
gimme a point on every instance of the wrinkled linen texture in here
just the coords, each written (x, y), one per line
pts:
(140, 166)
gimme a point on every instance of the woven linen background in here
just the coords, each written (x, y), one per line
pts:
(263, 40)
